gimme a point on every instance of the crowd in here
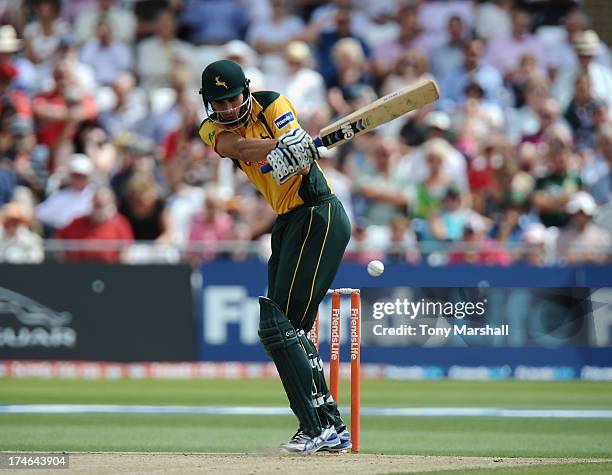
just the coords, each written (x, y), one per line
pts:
(99, 123)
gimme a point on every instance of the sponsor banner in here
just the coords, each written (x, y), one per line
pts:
(241, 370)
(96, 312)
(471, 322)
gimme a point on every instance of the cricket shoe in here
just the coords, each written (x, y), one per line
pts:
(345, 442)
(301, 444)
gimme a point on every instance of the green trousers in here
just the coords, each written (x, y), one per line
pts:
(308, 244)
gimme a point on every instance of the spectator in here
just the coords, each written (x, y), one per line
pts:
(18, 244)
(269, 38)
(12, 98)
(157, 57)
(403, 245)
(450, 55)
(303, 85)
(326, 41)
(411, 67)
(494, 19)
(42, 36)
(120, 21)
(145, 209)
(350, 74)
(548, 116)
(362, 247)
(103, 223)
(60, 110)
(579, 114)
(384, 193)
(72, 201)
(478, 250)
(230, 21)
(581, 241)
(587, 45)
(557, 186)
(505, 52)
(210, 227)
(107, 57)
(454, 83)
(128, 111)
(387, 54)
(597, 173)
(241, 53)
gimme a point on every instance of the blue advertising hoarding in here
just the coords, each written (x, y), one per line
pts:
(559, 320)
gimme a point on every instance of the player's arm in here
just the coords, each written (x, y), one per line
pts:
(244, 149)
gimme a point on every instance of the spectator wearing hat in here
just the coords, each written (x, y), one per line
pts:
(122, 22)
(11, 95)
(241, 53)
(581, 241)
(18, 244)
(597, 173)
(304, 86)
(587, 46)
(453, 83)
(505, 52)
(493, 19)
(107, 57)
(26, 78)
(102, 223)
(72, 201)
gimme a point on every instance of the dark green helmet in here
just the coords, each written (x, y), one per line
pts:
(221, 80)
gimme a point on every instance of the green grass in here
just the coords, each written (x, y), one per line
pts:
(380, 393)
(404, 435)
(557, 469)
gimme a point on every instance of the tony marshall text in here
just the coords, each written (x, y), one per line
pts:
(455, 330)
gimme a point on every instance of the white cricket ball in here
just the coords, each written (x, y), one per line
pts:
(375, 268)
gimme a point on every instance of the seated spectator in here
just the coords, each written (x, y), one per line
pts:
(597, 173)
(411, 67)
(103, 223)
(557, 186)
(454, 83)
(157, 57)
(108, 58)
(581, 241)
(230, 20)
(450, 55)
(362, 248)
(409, 37)
(145, 209)
(348, 58)
(43, 35)
(430, 192)
(241, 53)
(270, 37)
(303, 85)
(505, 52)
(210, 227)
(121, 21)
(60, 110)
(548, 115)
(403, 246)
(13, 98)
(384, 193)
(18, 244)
(494, 19)
(128, 111)
(579, 114)
(535, 242)
(72, 201)
(477, 249)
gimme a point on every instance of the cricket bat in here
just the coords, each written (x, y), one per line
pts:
(381, 111)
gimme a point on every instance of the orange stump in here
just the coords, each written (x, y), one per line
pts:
(334, 347)
(355, 369)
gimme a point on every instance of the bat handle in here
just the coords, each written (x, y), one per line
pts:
(267, 168)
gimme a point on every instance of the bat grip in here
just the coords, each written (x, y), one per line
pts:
(267, 168)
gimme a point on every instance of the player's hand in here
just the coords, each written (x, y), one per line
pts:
(300, 144)
(285, 164)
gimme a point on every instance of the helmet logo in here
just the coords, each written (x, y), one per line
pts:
(219, 82)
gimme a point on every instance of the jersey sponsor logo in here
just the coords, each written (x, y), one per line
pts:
(283, 120)
(218, 82)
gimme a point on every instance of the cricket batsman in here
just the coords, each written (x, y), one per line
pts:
(308, 239)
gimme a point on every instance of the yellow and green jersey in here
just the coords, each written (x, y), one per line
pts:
(272, 115)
